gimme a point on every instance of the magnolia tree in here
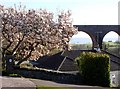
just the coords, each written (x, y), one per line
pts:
(30, 34)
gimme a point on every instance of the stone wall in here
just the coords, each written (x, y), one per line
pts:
(57, 76)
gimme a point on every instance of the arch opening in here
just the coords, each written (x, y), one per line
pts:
(81, 41)
(111, 43)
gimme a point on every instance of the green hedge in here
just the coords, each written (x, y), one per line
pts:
(95, 68)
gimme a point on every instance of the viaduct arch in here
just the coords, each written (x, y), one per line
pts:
(97, 32)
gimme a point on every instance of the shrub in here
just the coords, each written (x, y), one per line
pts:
(26, 65)
(95, 68)
(15, 75)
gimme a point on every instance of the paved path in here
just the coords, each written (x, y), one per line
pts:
(24, 83)
(54, 84)
(16, 83)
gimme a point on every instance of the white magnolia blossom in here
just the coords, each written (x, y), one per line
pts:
(35, 32)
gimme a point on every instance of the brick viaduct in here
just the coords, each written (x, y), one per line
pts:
(97, 32)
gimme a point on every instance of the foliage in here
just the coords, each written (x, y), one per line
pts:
(54, 51)
(29, 34)
(1, 67)
(81, 46)
(15, 75)
(95, 68)
(26, 65)
(4, 73)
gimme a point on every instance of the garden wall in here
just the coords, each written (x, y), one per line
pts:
(56, 76)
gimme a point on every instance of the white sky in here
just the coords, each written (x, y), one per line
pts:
(81, 35)
(84, 12)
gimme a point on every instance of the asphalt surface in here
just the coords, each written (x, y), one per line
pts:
(54, 84)
(25, 83)
(21, 83)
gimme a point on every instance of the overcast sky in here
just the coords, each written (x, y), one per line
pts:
(84, 12)
(92, 12)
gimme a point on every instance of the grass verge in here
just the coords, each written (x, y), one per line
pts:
(51, 87)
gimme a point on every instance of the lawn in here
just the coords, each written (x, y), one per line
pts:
(52, 87)
(112, 47)
(81, 46)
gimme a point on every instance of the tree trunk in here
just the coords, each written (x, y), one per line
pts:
(16, 47)
(24, 59)
(3, 55)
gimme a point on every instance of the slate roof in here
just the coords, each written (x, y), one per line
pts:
(62, 61)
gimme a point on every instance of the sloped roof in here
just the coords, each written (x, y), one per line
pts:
(51, 62)
(62, 61)
(57, 62)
